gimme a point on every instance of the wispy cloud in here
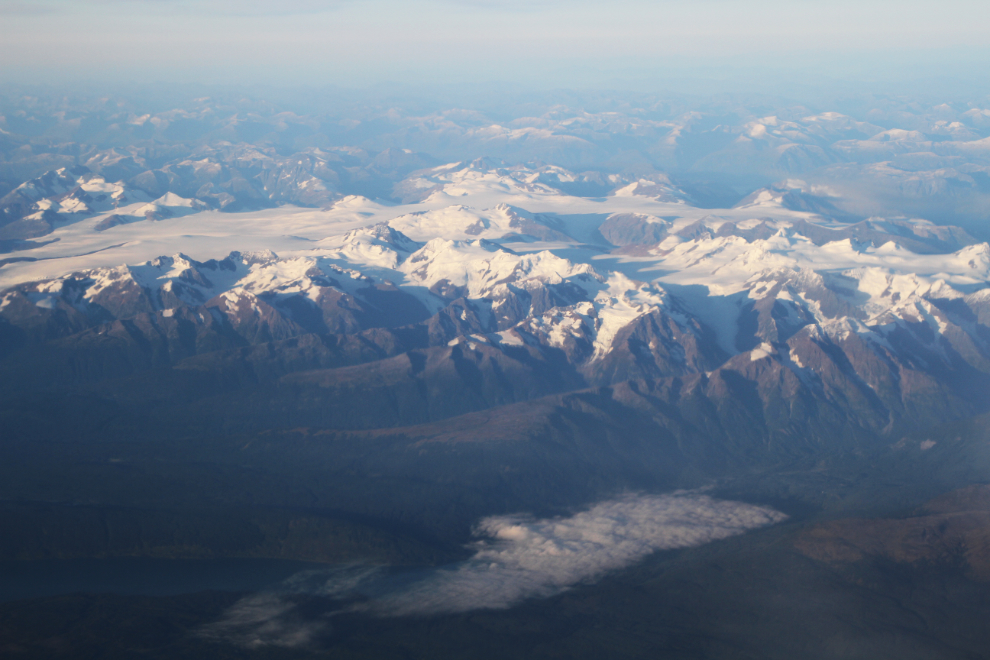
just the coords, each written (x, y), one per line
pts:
(266, 619)
(272, 619)
(516, 558)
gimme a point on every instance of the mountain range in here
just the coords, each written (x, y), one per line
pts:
(234, 336)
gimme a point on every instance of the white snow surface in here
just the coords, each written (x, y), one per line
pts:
(466, 232)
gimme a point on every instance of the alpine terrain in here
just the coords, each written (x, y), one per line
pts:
(655, 377)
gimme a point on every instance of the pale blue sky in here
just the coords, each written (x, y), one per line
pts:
(357, 42)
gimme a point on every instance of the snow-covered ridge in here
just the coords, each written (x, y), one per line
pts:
(536, 264)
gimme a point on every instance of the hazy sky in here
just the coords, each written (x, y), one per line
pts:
(577, 42)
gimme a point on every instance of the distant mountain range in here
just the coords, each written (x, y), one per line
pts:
(255, 334)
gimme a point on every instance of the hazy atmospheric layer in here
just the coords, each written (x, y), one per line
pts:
(573, 43)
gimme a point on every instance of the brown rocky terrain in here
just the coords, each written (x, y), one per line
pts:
(953, 529)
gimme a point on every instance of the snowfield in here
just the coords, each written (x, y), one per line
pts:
(488, 233)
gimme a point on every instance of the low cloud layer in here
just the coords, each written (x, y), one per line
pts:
(273, 618)
(515, 558)
(523, 558)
